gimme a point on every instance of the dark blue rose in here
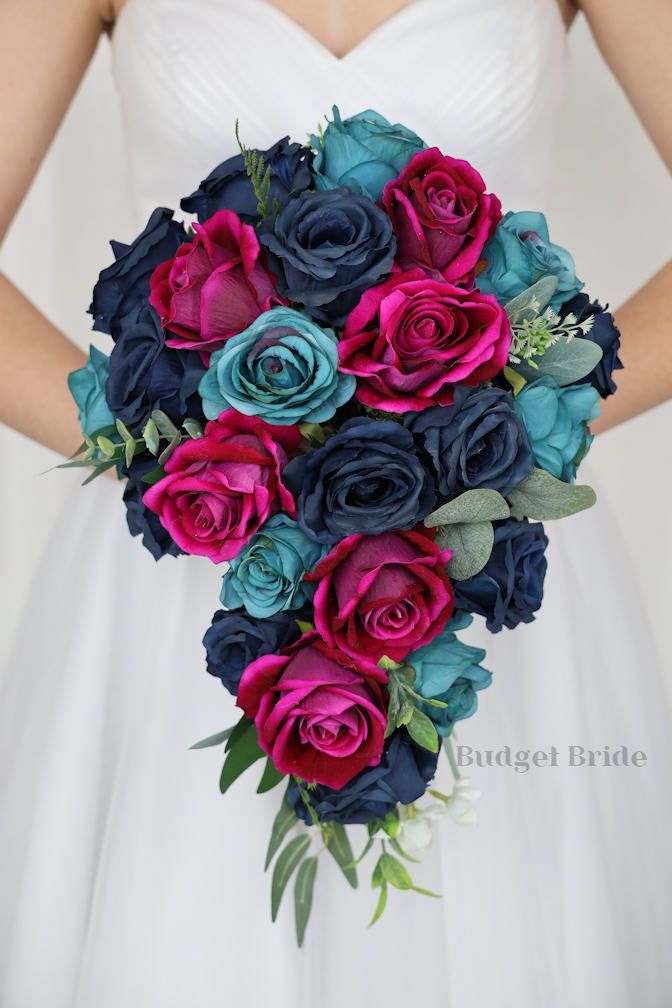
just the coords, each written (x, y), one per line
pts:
(141, 521)
(510, 588)
(234, 640)
(146, 375)
(478, 442)
(228, 187)
(124, 285)
(605, 333)
(366, 479)
(402, 776)
(326, 248)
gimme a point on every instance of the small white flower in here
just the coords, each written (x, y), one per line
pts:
(460, 805)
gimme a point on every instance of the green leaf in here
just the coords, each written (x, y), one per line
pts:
(367, 848)
(123, 430)
(341, 851)
(237, 731)
(154, 476)
(401, 852)
(543, 497)
(426, 892)
(303, 896)
(240, 757)
(170, 448)
(129, 450)
(151, 436)
(471, 546)
(377, 874)
(312, 432)
(270, 777)
(391, 822)
(283, 822)
(213, 740)
(164, 423)
(106, 446)
(515, 380)
(394, 872)
(287, 862)
(471, 506)
(422, 731)
(406, 713)
(193, 428)
(98, 471)
(567, 361)
(380, 906)
(532, 301)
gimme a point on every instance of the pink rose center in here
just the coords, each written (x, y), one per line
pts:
(330, 722)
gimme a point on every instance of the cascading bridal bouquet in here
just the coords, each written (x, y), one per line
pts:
(361, 389)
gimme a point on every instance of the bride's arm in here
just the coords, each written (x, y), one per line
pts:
(635, 39)
(44, 51)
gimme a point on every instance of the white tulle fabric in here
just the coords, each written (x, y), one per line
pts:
(127, 881)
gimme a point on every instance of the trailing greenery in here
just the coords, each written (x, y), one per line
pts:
(259, 174)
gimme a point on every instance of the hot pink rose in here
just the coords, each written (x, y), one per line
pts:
(410, 340)
(318, 714)
(442, 215)
(382, 595)
(214, 286)
(220, 488)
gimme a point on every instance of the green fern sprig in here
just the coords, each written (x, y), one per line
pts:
(259, 174)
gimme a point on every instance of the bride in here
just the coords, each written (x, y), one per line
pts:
(125, 879)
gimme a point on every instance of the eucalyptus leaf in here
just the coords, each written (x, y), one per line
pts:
(193, 428)
(567, 361)
(380, 906)
(123, 430)
(471, 506)
(288, 861)
(170, 448)
(471, 546)
(129, 450)
(538, 295)
(283, 822)
(164, 423)
(270, 778)
(340, 849)
(422, 731)
(213, 740)
(106, 446)
(544, 498)
(151, 436)
(303, 896)
(240, 757)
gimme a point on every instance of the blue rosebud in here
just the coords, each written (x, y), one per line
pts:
(520, 253)
(140, 520)
(556, 420)
(446, 669)
(479, 442)
(229, 187)
(145, 374)
(326, 248)
(282, 368)
(363, 152)
(404, 771)
(87, 388)
(604, 332)
(267, 575)
(366, 479)
(124, 285)
(510, 588)
(234, 640)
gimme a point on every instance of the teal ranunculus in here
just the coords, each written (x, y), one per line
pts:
(267, 575)
(282, 368)
(556, 420)
(520, 253)
(449, 670)
(87, 388)
(364, 153)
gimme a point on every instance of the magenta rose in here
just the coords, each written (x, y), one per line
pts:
(382, 595)
(221, 487)
(318, 714)
(442, 215)
(412, 339)
(214, 286)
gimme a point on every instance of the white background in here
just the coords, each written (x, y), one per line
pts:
(612, 209)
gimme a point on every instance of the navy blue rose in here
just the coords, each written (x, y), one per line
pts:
(124, 285)
(477, 443)
(234, 640)
(604, 332)
(326, 248)
(145, 374)
(228, 187)
(402, 776)
(510, 588)
(366, 479)
(140, 520)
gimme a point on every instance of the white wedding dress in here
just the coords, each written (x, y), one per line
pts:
(127, 880)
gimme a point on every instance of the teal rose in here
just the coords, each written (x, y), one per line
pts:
(364, 153)
(520, 253)
(448, 670)
(87, 388)
(267, 575)
(282, 368)
(556, 420)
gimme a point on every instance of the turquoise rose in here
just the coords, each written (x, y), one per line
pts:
(556, 420)
(282, 368)
(364, 153)
(87, 388)
(267, 575)
(520, 253)
(450, 671)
